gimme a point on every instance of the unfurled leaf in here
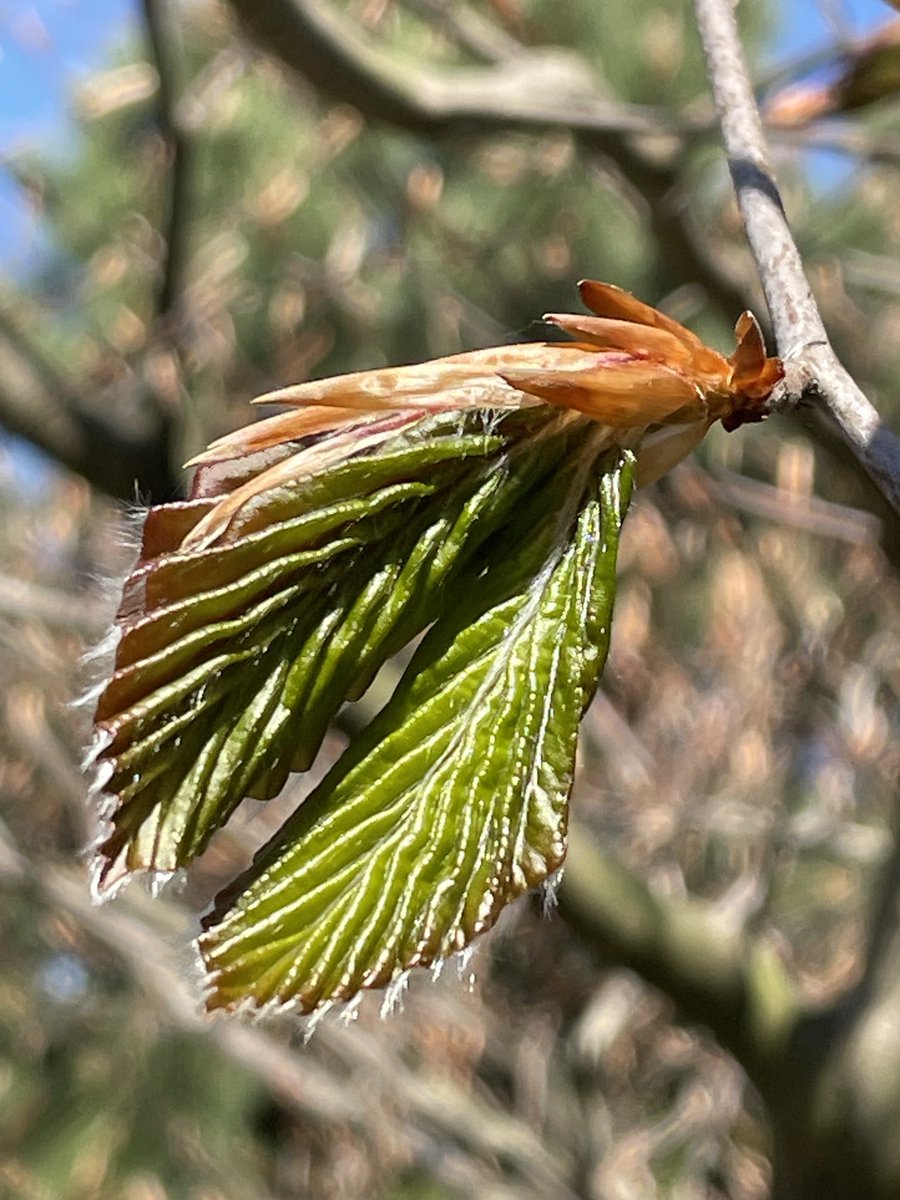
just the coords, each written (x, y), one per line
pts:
(480, 495)
(455, 801)
(241, 654)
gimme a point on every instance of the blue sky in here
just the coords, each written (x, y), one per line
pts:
(48, 45)
(45, 48)
(804, 24)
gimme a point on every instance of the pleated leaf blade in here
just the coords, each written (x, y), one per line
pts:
(454, 801)
(234, 657)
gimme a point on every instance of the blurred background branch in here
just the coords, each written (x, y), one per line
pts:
(535, 90)
(177, 152)
(124, 460)
(711, 1011)
(717, 973)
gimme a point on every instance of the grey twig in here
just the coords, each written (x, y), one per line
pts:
(814, 371)
(810, 513)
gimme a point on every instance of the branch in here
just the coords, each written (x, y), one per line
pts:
(814, 371)
(178, 154)
(548, 89)
(470, 30)
(718, 977)
(826, 518)
(38, 405)
(544, 89)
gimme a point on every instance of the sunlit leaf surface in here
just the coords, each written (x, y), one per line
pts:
(239, 654)
(479, 494)
(455, 800)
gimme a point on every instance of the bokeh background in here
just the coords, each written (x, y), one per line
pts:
(186, 221)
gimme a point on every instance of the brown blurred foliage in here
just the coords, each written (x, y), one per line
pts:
(227, 225)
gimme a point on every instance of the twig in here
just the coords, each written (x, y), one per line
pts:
(814, 371)
(809, 513)
(178, 154)
(795, 316)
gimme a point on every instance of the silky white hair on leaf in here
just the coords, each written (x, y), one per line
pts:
(314, 1019)
(549, 892)
(393, 995)
(95, 668)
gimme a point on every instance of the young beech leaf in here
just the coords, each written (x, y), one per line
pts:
(241, 654)
(454, 802)
(479, 494)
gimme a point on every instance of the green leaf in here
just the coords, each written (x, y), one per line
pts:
(455, 799)
(235, 656)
